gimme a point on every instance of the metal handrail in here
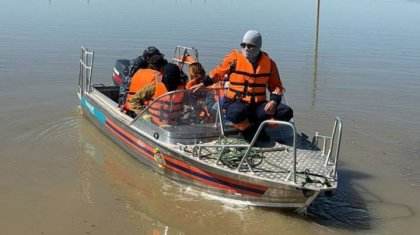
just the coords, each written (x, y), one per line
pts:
(85, 70)
(251, 144)
(333, 142)
(183, 51)
(142, 112)
(266, 122)
(219, 115)
(331, 159)
(338, 123)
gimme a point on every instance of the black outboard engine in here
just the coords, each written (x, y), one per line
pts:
(127, 68)
(119, 69)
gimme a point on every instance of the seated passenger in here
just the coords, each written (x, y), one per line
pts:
(172, 78)
(196, 73)
(167, 109)
(140, 62)
(246, 103)
(142, 78)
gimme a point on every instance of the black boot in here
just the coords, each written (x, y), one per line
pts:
(263, 136)
(248, 134)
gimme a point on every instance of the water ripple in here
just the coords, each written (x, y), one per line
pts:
(53, 132)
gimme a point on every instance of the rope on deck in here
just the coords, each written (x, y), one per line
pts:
(231, 157)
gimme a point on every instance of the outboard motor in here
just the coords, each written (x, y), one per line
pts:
(119, 68)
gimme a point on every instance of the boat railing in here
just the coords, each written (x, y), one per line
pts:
(190, 103)
(85, 71)
(156, 100)
(330, 146)
(244, 159)
(252, 143)
(185, 55)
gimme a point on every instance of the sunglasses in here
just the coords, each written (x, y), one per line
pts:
(249, 46)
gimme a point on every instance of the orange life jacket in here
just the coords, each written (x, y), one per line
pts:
(245, 83)
(218, 90)
(190, 83)
(167, 109)
(140, 79)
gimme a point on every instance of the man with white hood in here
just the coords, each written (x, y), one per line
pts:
(251, 72)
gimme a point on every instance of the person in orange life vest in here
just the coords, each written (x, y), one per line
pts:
(251, 72)
(196, 73)
(166, 110)
(144, 77)
(140, 62)
(170, 81)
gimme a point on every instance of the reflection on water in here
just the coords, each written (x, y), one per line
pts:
(346, 208)
(138, 192)
(87, 161)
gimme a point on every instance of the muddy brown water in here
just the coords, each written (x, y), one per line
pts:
(60, 175)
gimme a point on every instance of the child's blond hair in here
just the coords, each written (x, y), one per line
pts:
(196, 69)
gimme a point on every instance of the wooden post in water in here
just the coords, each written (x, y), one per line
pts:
(316, 54)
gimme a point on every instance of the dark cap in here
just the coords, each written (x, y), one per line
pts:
(155, 61)
(171, 77)
(172, 70)
(150, 51)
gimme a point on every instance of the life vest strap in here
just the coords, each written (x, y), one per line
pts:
(249, 84)
(249, 93)
(254, 75)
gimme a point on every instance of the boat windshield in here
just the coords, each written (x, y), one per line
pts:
(185, 108)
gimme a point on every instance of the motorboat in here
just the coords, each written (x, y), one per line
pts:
(203, 150)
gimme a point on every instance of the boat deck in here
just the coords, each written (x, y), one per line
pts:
(273, 162)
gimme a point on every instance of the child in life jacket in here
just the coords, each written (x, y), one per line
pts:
(196, 73)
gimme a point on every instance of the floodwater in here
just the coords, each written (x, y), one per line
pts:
(60, 175)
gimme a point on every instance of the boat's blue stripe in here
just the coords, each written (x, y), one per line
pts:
(189, 171)
(95, 112)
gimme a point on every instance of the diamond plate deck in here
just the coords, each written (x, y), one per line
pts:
(277, 161)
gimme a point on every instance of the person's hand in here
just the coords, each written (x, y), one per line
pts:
(270, 107)
(197, 87)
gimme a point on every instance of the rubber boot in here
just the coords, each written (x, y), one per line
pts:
(248, 134)
(263, 136)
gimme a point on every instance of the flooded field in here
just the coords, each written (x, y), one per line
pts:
(355, 59)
